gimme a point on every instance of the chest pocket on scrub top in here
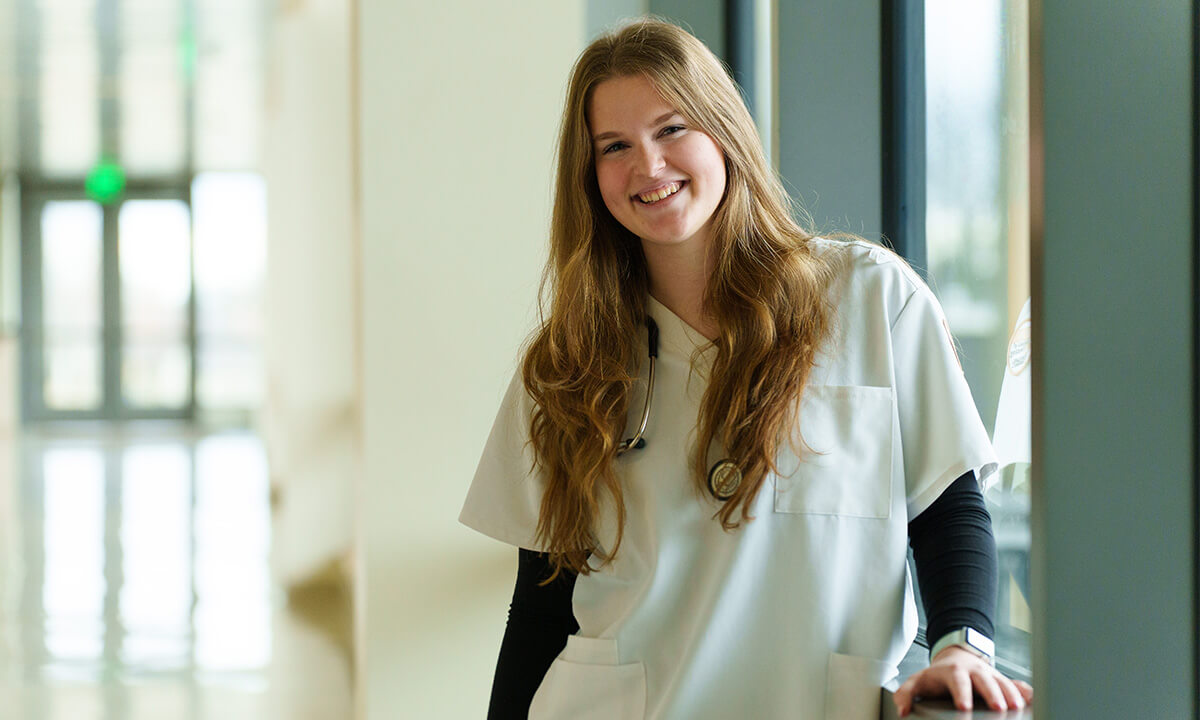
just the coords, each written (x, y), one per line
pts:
(846, 463)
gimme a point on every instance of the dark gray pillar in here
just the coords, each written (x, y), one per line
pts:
(1114, 322)
(829, 110)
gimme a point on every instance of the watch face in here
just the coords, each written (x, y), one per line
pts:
(979, 641)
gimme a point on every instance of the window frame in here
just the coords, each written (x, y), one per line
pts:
(35, 192)
(904, 181)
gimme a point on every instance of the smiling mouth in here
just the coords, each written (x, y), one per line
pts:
(660, 194)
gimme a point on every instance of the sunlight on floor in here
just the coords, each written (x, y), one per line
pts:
(135, 583)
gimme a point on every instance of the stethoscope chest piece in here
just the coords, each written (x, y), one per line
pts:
(724, 478)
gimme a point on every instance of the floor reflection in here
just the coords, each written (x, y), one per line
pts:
(140, 585)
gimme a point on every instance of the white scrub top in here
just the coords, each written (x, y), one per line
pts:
(806, 610)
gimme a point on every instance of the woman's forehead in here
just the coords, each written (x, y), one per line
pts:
(624, 103)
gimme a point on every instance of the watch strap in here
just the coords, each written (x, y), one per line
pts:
(970, 640)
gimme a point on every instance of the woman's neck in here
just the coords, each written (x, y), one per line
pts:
(678, 277)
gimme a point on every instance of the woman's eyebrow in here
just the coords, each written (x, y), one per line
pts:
(660, 119)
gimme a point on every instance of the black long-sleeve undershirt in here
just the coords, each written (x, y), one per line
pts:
(955, 555)
(953, 546)
(539, 620)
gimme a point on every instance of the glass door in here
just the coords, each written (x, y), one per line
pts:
(72, 322)
(154, 260)
(108, 307)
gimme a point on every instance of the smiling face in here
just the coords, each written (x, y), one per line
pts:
(660, 177)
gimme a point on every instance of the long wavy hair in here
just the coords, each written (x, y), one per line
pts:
(767, 295)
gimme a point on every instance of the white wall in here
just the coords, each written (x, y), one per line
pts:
(309, 419)
(460, 101)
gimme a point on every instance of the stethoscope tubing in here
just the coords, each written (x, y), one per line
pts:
(652, 343)
(724, 477)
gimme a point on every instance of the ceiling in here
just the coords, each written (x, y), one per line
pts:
(163, 87)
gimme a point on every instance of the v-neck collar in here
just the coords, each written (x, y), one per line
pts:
(674, 332)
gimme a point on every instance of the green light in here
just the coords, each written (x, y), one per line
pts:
(105, 182)
(187, 53)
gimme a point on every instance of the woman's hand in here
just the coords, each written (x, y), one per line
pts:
(961, 674)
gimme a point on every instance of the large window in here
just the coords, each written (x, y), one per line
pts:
(977, 250)
(921, 135)
(142, 232)
(230, 230)
(153, 312)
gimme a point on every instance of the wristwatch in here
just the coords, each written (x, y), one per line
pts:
(969, 639)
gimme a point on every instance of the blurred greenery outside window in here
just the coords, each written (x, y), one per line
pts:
(977, 244)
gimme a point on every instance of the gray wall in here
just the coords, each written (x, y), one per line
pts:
(1114, 322)
(604, 14)
(704, 18)
(829, 111)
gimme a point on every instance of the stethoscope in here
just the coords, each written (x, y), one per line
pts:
(724, 477)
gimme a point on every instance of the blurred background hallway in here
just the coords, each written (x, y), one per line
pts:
(174, 531)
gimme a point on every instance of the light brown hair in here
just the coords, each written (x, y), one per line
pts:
(766, 294)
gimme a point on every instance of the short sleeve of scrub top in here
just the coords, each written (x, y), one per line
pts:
(941, 434)
(506, 494)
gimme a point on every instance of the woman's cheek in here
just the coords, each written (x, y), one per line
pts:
(611, 187)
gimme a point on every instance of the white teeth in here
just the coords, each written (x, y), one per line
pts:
(660, 193)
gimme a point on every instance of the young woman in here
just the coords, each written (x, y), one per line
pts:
(725, 433)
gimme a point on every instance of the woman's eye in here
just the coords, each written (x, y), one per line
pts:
(612, 148)
(672, 129)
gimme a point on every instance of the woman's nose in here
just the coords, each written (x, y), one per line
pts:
(650, 159)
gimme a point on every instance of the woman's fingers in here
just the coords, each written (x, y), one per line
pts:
(1026, 690)
(961, 680)
(929, 682)
(903, 699)
(987, 683)
(1012, 694)
(959, 685)
(932, 682)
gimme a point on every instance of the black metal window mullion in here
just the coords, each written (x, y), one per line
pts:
(113, 405)
(903, 142)
(192, 333)
(740, 46)
(902, 105)
(189, 135)
(32, 327)
(1195, 233)
(108, 26)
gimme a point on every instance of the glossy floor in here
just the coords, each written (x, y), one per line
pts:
(135, 584)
